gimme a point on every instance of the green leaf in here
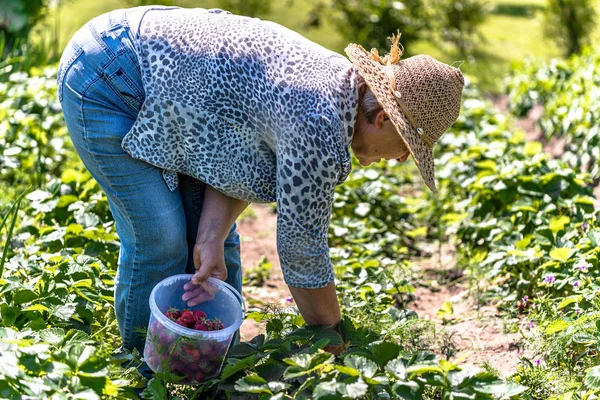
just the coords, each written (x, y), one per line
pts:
(561, 253)
(37, 307)
(64, 312)
(446, 311)
(327, 390)
(592, 378)
(532, 148)
(347, 370)
(384, 352)
(557, 224)
(557, 326)
(253, 384)
(299, 360)
(355, 390)
(424, 369)
(239, 365)
(502, 391)
(54, 336)
(408, 390)
(24, 296)
(156, 390)
(569, 300)
(397, 368)
(365, 366)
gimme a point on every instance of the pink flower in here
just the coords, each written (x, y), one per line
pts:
(525, 299)
(537, 362)
(576, 284)
(288, 299)
(531, 325)
(549, 279)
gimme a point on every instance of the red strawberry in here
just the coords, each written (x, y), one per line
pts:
(204, 347)
(152, 362)
(199, 326)
(199, 376)
(177, 366)
(186, 320)
(173, 314)
(198, 315)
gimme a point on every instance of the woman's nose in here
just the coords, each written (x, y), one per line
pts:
(404, 157)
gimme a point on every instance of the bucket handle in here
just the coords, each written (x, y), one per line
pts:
(236, 293)
(239, 296)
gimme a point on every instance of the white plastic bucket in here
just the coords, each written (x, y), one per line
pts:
(195, 355)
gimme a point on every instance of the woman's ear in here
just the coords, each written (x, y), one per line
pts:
(380, 118)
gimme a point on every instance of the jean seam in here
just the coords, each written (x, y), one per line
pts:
(129, 221)
(67, 66)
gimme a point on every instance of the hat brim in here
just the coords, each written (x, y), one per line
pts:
(376, 79)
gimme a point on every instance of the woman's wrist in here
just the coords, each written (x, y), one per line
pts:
(210, 231)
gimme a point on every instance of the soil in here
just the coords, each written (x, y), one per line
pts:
(476, 334)
(258, 236)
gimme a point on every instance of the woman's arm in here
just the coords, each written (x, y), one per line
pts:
(219, 212)
(318, 306)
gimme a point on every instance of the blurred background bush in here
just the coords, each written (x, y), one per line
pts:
(450, 30)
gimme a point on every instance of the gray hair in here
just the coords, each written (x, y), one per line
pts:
(370, 106)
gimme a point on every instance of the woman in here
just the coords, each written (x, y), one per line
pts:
(184, 116)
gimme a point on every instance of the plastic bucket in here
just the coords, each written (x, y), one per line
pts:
(197, 356)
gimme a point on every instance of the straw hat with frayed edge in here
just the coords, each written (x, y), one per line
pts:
(420, 95)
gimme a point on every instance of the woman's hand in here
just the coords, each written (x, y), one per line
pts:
(219, 212)
(209, 260)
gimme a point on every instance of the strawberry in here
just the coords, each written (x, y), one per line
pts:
(177, 366)
(186, 319)
(173, 314)
(204, 347)
(200, 326)
(152, 361)
(199, 376)
(199, 315)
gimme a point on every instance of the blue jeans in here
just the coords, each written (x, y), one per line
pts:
(101, 92)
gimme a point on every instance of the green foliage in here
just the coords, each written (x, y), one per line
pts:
(258, 275)
(570, 22)
(250, 8)
(371, 22)
(34, 144)
(17, 19)
(458, 22)
(136, 3)
(568, 90)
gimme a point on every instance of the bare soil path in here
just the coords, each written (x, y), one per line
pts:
(477, 334)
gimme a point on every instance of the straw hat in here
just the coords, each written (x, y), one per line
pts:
(420, 95)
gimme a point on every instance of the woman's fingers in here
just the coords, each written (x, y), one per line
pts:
(196, 294)
(202, 298)
(192, 293)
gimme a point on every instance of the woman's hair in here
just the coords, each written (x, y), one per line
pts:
(370, 105)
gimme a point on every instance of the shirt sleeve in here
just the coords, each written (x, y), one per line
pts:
(307, 173)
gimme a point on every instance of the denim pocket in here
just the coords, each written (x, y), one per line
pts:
(124, 86)
(72, 52)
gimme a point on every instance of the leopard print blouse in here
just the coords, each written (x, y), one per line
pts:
(255, 110)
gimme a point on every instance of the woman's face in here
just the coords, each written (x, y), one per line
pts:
(378, 140)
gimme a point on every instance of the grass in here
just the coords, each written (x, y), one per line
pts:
(512, 32)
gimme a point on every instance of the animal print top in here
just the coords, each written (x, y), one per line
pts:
(255, 110)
